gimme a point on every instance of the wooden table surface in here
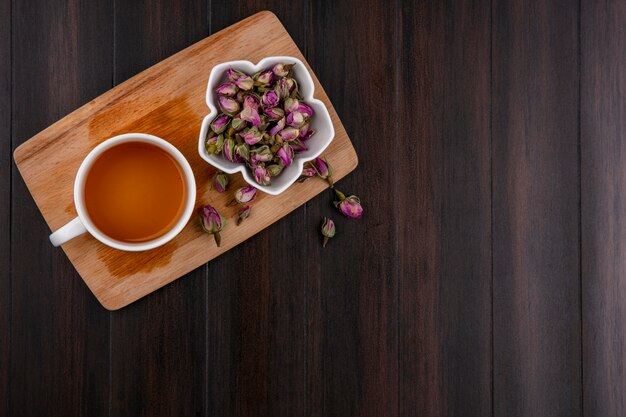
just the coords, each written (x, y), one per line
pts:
(488, 277)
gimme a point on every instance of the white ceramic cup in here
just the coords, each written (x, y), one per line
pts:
(83, 224)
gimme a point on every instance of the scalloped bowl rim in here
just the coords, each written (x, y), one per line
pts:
(322, 116)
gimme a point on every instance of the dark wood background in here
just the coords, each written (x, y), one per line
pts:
(488, 277)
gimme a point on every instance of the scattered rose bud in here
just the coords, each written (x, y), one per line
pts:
(244, 82)
(285, 153)
(289, 133)
(264, 79)
(306, 174)
(227, 89)
(212, 222)
(261, 176)
(349, 206)
(243, 214)
(220, 181)
(282, 70)
(228, 105)
(219, 124)
(328, 230)
(245, 195)
(324, 170)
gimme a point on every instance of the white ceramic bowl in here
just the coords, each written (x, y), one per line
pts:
(321, 122)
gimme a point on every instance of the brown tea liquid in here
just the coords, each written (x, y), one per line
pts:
(135, 192)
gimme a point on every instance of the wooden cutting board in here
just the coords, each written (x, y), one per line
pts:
(166, 100)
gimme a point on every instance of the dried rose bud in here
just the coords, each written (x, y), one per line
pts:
(264, 78)
(212, 222)
(251, 135)
(240, 96)
(282, 89)
(244, 82)
(285, 153)
(261, 176)
(274, 113)
(243, 214)
(274, 170)
(295, 119)
(250, 111)
(305, 132)
(242, 151)
(349, 206)
(289, 133)
(234, 74)
(306, 174)
(298, 146)
(219, 145)
(270, 98)
(280, 125)
(261, 154)
(245, 195)
(324, 170)
(219, 124)
(211, 145)
(291, 104)
(229, 150)
(305, 109)
(282, 70)
(238, 123)
(291, 84)
(220, 181)
(228, 105)
(227, 89)
(328, 230)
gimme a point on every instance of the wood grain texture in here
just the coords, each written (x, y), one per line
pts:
(170, 323)
(536, 311)
(392, 318)
(444, 220)
(256, 319)
(603, 175)
(59, 333)
(5, 198)
(352, 286)
(167, 100)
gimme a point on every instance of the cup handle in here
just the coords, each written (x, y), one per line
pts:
(69, 231)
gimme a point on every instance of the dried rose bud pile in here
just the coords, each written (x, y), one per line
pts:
(263, 121)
